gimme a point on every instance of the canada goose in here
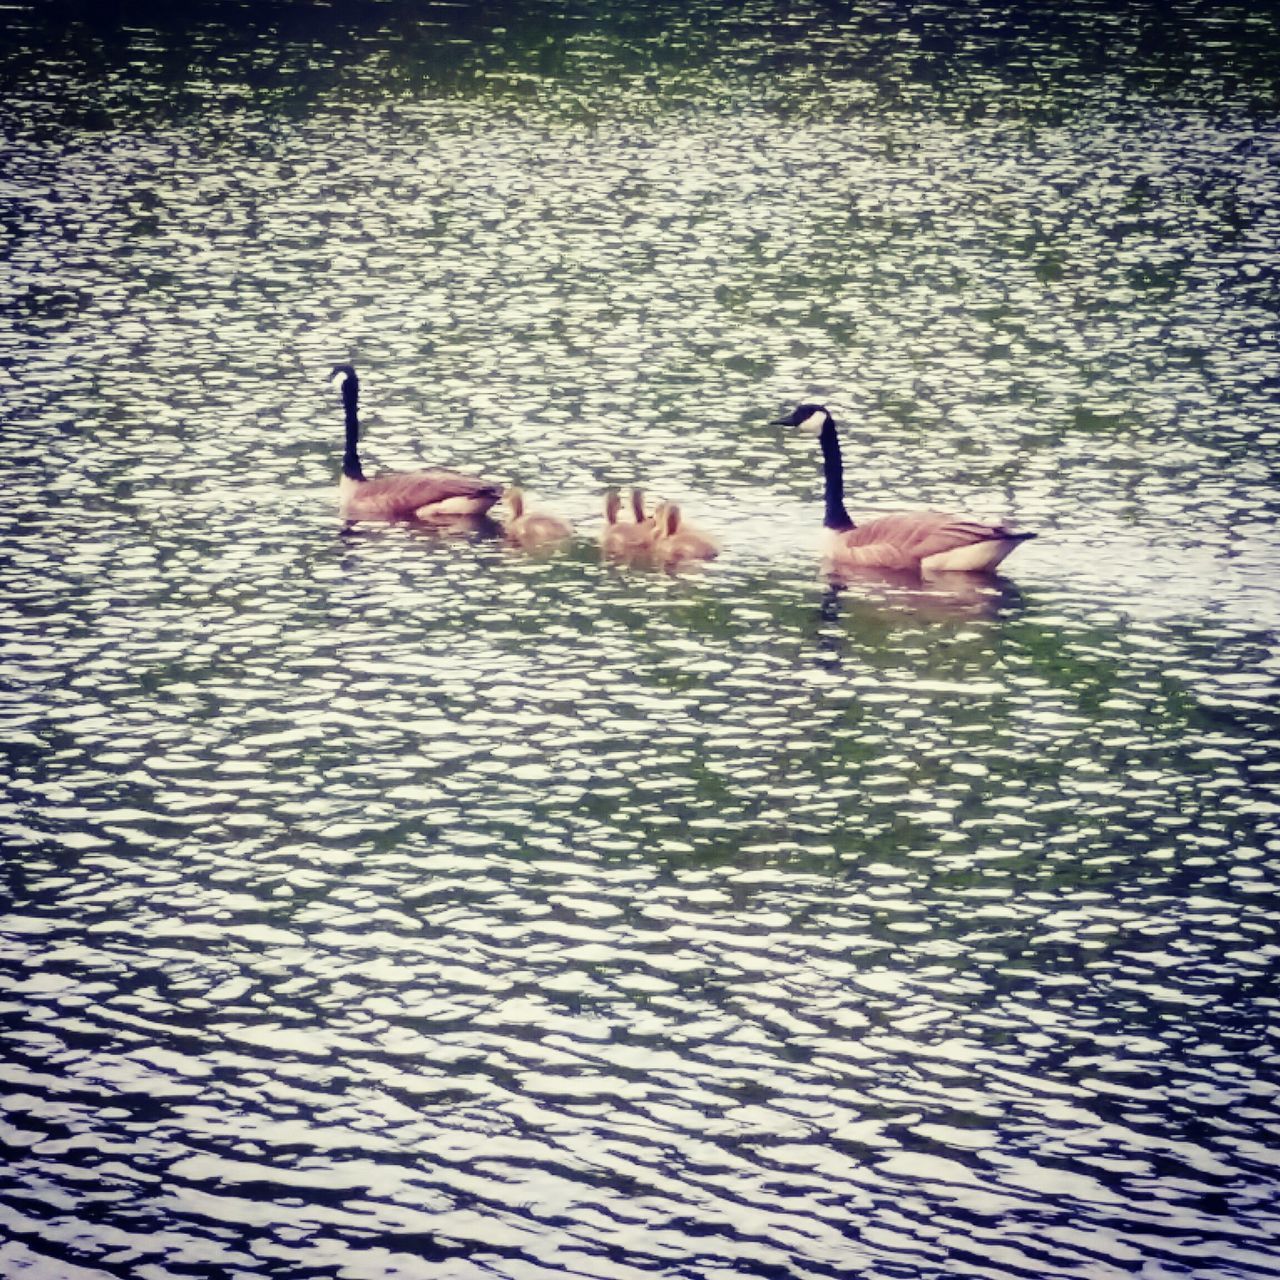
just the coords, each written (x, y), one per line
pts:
(617, 539)
(920, 540)
(403, 495)
(532, 528)
(676, 541)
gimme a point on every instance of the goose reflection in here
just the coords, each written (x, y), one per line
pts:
(480, 528)
(931, 596)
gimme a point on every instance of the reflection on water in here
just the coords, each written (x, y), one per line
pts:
(386, 901)
(435, 527)
(933, 596)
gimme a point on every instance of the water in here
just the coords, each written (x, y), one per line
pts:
(393, 904)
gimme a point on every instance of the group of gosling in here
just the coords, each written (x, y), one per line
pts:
(663, 538)
(919, 541)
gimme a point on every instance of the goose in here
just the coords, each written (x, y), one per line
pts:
(915, 540)
(404, 495)
(676, 541)
(637, 511)
(532, 528)
(617, 539)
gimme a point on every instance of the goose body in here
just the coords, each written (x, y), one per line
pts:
(929, 541)
(530, 529)
(675, 541)
(404, 495)
(619, 539)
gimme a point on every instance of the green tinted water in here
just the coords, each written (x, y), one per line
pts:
(390, 904)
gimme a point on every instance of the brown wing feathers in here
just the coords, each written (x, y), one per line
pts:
(923, 533)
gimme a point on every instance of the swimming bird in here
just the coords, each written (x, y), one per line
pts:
(531, 529)
(637, 510)
(918, 540)
(618, 539)
(675, 541)
(404, 495)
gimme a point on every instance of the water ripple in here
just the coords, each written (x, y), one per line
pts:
(388, 902)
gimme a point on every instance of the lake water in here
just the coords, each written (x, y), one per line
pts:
(391, 904)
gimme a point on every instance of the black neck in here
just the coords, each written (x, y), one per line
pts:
(833, 468)
(351, 456)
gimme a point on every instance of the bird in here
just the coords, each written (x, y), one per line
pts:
(618, 539)
(914, 540)
(637, 510)
(404, 495)
(531, 529)
(675, 541)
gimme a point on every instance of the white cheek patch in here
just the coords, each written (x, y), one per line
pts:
(339, 380)
(814, 422)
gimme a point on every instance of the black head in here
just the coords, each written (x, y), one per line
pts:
(810, 416)
(343, 374)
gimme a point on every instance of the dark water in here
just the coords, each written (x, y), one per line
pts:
(391, 904)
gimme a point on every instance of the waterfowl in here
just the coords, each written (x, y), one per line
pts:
(406, 495)
(530, 529)
(916, 540)
(617, 539)
(637, 511)
(675, 541)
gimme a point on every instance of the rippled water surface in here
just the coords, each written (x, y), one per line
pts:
(388, 903)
